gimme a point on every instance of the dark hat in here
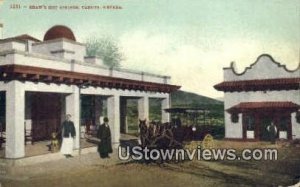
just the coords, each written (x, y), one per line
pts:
(105, 119)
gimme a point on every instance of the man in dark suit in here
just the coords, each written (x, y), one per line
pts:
(272, 132)
(104, 134)
(68, 134)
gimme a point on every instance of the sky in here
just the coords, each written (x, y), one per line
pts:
(189, 40)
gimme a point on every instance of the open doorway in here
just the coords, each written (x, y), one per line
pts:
(129, 116)
(93, 109)
(43, 114)
(155, 109)
(265, 121)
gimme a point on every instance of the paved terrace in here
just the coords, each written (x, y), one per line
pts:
(59, 164)
(38, 157)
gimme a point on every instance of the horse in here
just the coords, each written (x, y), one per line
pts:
(157, 134)
(162, 136)
(154, 128)
(144, 132)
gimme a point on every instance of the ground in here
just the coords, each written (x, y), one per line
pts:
(89, 170)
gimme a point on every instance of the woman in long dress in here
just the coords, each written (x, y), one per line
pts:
(68, 133)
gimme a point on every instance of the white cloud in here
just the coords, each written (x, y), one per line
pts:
(194, 67)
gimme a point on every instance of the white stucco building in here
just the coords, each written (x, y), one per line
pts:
(41, 81)
(264, 92)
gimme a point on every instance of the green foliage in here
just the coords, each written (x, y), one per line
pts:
(181, 99)
(107, 49)
(187, 99)
(154, 109)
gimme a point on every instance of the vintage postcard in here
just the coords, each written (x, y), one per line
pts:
(149, 93)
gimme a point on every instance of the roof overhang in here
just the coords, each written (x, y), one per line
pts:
(259, 85)
(47, 75)
(264, 106)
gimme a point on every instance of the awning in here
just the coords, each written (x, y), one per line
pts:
(259, 85)
(273, 106)
(48, 75)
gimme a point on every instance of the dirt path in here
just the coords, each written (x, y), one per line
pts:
(190, 173)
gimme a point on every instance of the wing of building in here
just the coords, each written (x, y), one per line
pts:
(42, 81)
(265, 92)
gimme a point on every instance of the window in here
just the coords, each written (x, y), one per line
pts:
(283, 123)
(249, 121)
(234, 117)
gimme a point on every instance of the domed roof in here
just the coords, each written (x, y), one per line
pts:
(59, 31)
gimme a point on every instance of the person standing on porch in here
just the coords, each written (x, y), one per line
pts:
(104, 134)
(68, 133)
(272, 132)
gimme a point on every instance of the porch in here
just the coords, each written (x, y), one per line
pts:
(30, 112)
(257, 116)
(42, 147)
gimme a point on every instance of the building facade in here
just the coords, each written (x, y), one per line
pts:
(264, 92)
(42, 81)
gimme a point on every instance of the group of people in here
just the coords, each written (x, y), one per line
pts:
(69, 134)
(104, 135)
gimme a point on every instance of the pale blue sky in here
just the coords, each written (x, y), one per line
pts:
(191, 40)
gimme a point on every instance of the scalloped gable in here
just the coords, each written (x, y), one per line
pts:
(265, 67)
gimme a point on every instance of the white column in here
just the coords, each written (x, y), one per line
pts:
(295, 127)
(165, 103)
(143, 108)
(113, 114)
(15, 114)
(72, 107)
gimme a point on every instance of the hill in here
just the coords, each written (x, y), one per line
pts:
(188, 99)
(179, 99)
(182, 99)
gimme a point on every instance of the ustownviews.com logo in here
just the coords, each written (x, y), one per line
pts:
(145, 153)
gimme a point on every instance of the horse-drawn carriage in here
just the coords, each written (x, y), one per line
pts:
(184, 127)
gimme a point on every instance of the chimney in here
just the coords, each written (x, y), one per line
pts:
(1, 31)
(29, 48)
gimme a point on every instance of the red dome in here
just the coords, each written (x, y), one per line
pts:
(59, 31)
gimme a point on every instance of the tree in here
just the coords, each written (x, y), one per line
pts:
(107, 49)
